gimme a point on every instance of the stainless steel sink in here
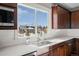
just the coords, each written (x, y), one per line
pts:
(43, 43)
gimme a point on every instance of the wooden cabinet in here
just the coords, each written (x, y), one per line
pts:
(60, 17)
(61, 49)
(57, 50)
(75, 19)
(53, 51)
(10, 10)
(63, 18)
(68, 47)
(9, 4)
(77, 46)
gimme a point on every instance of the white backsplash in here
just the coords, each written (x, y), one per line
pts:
(9, 37)
(73, 32)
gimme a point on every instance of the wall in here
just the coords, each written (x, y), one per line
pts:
(9, 37)
(73, 32)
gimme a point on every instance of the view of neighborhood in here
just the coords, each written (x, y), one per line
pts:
(31, 29)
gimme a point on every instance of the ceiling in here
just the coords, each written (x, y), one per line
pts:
(69, 6)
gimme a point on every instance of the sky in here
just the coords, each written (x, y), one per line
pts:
(27, 16)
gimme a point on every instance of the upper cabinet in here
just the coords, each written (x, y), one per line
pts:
(8, 16)
(60, 17)
(75, 19)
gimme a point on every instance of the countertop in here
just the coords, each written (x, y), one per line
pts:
(22, 49)
(17, 50)
(57, 40)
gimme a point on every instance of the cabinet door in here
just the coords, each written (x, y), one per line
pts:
(60, 18)
(58, 50)
(77, 47)
(67, 50)
(75, 19)
(62, 50)
(63, 18)
(69, 47)
(54, 52)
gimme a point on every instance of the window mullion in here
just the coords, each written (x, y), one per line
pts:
(35, 23)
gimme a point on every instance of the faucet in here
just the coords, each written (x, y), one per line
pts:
(27, 40)
(38, 39)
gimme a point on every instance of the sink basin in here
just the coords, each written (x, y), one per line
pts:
(42, 43)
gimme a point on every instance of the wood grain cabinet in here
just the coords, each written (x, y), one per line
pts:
(60, 17)
(63, 18)
(68, 47)
(61, 49)
(57, 50)
(77, 46)
(75, 19)
(53, 51)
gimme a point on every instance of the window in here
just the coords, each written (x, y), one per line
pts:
(31, 18)
(41, 18)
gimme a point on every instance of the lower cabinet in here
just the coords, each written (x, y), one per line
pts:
(67, 48)
(61, 49)
(53, 52)
(77, 47)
